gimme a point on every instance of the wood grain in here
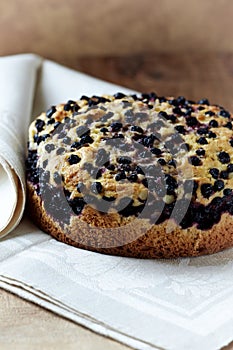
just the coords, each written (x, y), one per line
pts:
(56, 28)
(24, 326)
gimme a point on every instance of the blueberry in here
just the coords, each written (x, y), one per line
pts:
(96, 187)
(230, 168)
(60, 151)
(228, 125)
(139, 170)
(76, 145)
(231, 143)
(67, 140)
(119, 95)
(191, 121)
(200, 152)
(85, 139)
(224, 174)
(206, 190)
(162, 161)
(156, 151)
(49, 147)
(120, 176)
(50, 112)
(218, 185)
(124, 160)
(202, 141)
(203, 101)
(181, 100)
(180, 129)
(80, 187)
(227, 192)
(224, 157)
(194, 160)
(213, 123)
(224, 113)
(132, 177)
(214, 172)
(116, 126)
(210, 113)
(39, 125)
(104, 130)
(203, 131)
(137, 129)
(212, 135)
(73, 159)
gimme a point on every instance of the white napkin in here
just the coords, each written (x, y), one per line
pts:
(17, 84)
(147, 304)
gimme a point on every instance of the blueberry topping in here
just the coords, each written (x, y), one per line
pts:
(180, 129)
(156, 151)
(73, 159)
(200, 152)
(119, 95)
(194, 160)
(120, 176)
(214, 172)
(206, 190)
(218, 185)
(203, 131)
(50, 112)
(116, 126)
(191, 121)
(224, 157)
(137, 129)
(132, 177)
(49, 147)
(227, 192)
(124, 160)
(212, 135)
(210, 113)
(162, 161)
(228, 125)
(96, 187)
(39, 125)
(60, 151)
(85, 139)
(104, 130)
(213, 123)
(224, 113)
(202, 141)
(224, 175)
(67, 140)
(230, 168)
(203, 101)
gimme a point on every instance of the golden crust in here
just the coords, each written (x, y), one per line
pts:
(151, 242)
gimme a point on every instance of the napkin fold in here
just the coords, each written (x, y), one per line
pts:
(174, 304)
(18, 75)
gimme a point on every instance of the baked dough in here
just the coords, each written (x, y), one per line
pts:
(140, 176)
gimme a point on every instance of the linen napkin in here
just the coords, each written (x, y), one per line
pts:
(146, 304)
(17, 84)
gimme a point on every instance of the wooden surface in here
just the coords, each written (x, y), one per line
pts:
(24, 326)
(57, 28)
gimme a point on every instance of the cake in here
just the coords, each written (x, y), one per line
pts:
(133, 175)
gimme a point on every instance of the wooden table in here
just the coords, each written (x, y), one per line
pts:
(26, 326)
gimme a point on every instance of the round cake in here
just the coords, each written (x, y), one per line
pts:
(139, 176)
